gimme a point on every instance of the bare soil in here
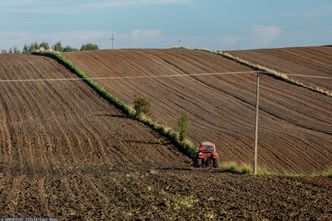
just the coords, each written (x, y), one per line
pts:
(295, 123)
(300, 60)
(63, 125)
(165, 195)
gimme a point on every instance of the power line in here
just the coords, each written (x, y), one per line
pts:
(151, 76)
(125, 77)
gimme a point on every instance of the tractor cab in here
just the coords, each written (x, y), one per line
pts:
(207, 147)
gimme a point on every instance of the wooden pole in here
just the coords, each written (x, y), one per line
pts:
(256, 126)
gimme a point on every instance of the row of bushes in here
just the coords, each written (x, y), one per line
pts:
(30, 48)
(269, 71)
(183, 144)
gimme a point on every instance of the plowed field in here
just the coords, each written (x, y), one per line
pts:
(68, 154)
(165, 195)
(46, 126)
(295, 123)
(304, 61)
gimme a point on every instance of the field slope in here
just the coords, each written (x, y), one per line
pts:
(295, 124)
(68, 154)
(301, 60)
(45, 125)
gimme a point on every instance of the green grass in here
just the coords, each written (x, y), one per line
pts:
(328, 173)
(236, 168)
(233, 167)
(298, 174)
(269, 71)
(185, 146)
(265, 172)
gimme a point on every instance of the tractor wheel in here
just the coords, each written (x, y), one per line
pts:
(197, 162)
(203, 163)
(215, 162)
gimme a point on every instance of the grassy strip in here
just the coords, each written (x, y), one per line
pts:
(328, 173)
(185, 147)
(236, 168)
(233, 167)
(269, 71)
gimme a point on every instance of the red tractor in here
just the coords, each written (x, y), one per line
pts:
(207, 156)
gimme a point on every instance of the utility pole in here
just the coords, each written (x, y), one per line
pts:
(256, 127)
(112, 39)
(179, 43)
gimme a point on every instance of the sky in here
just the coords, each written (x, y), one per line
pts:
(213, 24)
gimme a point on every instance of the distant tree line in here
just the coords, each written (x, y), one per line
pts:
(29, 48)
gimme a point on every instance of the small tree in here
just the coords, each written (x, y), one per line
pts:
(16, 50)
(142, 105)
(89, 47)
(33, 47)
(69, 49)
(57, 46)
(44, 45)
(183, 124)
(25, 49)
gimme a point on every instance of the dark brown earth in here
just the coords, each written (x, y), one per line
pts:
(301, 60)
(166, 195)
(65, 124)
(295, 123)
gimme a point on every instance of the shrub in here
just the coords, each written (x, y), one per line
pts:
(28, 49)
(25, 49)
(89, 47)
(183, 124)
(141, 105)
(16, 50)
(235, 168)
(44, 45)
(265, 172)
(328, 173)
(57, 46)
(69, 49)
